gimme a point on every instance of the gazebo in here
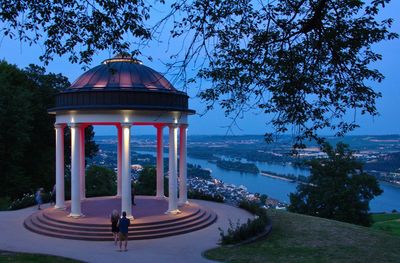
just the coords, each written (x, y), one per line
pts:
(122, 92)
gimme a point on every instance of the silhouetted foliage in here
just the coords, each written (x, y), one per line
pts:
(26, 129)
(75, 28)
(16, 122)
(196, 194)
(194, 170)
(147, 182)
(305, 64)
(100, 181)
(253, 227)
(337, 189)
(27, 137)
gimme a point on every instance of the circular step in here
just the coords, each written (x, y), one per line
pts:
(150, 220)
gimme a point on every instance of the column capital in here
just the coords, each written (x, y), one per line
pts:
(125, 124)
(159, 125)
(59, 125)
(173, 125)
(183, 126)
(74, 125)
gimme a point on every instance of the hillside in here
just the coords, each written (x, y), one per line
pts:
(300, 238)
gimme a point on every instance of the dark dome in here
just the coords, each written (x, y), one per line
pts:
(122, 73)
(121, 83)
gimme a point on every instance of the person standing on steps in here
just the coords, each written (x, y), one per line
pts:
(123, 225)
(114, 225)
(53, 196)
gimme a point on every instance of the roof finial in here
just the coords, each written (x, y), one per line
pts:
(122, 57)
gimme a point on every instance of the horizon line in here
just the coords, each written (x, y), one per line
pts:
(225, 135)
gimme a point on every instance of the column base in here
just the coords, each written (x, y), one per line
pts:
(181, 203)
(61, 207)
(160, 197)
(130, 218)
(173, 212)
(76, 215)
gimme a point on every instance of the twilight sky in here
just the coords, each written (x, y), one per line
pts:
(214, 122)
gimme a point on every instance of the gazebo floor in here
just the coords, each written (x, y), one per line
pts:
(149, 213)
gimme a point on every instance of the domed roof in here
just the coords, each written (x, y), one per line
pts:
(122, 72)
(122, 83)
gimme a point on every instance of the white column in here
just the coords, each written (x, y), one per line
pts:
(82, 162)
(60, 197)
(126, 202)
(119, 161)
(160, 162)
(172, 177)
(182, 165)
(75, 171)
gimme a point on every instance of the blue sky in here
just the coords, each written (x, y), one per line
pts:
(214, 122)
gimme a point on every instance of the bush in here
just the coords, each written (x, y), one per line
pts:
(4, 203)
(242, 232)
(27, 200)
(100, 181)
(195, 194)
(147, 182)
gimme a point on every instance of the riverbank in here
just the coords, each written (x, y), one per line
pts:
(286, 178)
(277, 177)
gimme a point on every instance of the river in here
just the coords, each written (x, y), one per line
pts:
(280, 189)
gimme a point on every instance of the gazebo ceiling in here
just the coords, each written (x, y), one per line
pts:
(121, 83)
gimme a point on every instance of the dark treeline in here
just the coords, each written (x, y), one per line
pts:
(240, 152)
(27, 137)
(238, 166)
(388, 163)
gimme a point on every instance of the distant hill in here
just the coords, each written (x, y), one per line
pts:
(357, 142)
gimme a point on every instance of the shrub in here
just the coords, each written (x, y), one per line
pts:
(27, 200)
(100, 181)
(251, 228)
(195, 194)
(4, 203)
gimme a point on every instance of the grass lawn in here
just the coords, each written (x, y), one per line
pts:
(6, 256)
(300, 238)
(387, 222)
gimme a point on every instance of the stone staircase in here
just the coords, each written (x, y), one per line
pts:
(47, 223)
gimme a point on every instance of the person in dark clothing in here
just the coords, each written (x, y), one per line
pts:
(53, 196)
(114, 225)
(38, 197)
(123, 225)
(133, 194)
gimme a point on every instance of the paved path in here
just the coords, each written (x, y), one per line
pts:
(182, 248)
